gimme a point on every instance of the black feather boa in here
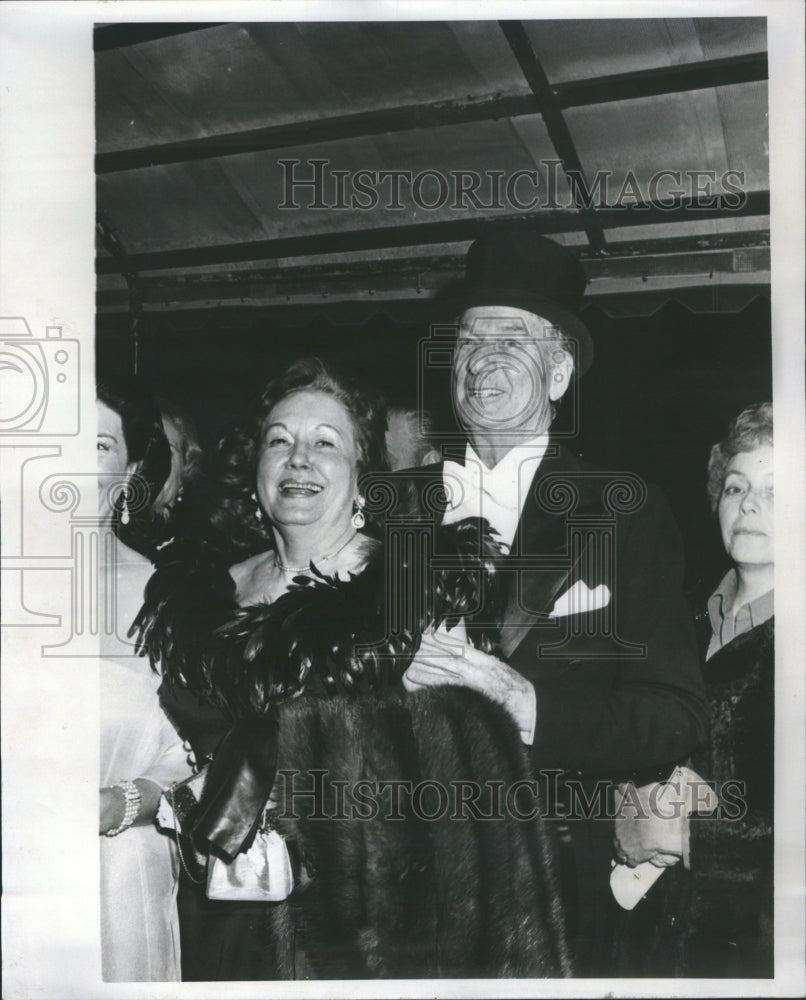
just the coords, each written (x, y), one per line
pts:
(325, 632)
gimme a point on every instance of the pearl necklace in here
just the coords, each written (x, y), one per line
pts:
(319, 559)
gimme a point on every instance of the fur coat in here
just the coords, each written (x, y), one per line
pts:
(729, 931)
(423, 886)
(716, 920)
(453, 896)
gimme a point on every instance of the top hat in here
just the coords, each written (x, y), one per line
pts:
(521, 269)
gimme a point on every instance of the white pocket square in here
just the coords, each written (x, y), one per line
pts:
(579, 599)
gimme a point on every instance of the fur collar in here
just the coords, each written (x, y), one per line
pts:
(324, 634)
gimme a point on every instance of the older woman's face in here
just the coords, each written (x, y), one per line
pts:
(113, 462)
(307, 462)
(746, 507)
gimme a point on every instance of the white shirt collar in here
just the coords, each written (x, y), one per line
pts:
(497, 494)
(512, 476)
(727, 621)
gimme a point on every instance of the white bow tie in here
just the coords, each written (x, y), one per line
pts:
(468, 496)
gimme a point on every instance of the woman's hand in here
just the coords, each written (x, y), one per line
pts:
(442, 660)
(648, 832)
(113, 805)
(653, 821)
(113, 808)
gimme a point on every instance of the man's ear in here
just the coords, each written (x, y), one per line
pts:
(561, 372)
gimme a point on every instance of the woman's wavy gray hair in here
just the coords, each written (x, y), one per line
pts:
(752, 428)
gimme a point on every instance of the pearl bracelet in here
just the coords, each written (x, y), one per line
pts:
(132, 795)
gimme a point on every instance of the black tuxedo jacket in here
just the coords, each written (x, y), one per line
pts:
(619, 689)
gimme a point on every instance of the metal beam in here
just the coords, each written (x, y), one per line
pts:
(423, 234)
(664, 80)
(742, 239)
(728, 297)
(556, 126)
(366, 123)
(675, 253)
(111, 242)
(119, 36)
(578, 93)
(421, 277)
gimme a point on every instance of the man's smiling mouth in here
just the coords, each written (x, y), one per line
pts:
(485, 393)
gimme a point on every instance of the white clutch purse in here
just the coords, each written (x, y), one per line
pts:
(261, 874)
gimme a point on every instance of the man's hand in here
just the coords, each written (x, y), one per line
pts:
(443, 660)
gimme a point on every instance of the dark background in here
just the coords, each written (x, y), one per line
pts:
(661, 390)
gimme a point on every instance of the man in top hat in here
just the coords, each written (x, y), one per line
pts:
(598, 662)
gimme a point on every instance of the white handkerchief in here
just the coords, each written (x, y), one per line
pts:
(579, 599)
(166, 817)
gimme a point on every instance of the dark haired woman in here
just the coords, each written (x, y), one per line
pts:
(276, 655)
(141, 754)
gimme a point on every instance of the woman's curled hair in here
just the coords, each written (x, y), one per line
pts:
(191, 451)
(751, 429)
(229, 504)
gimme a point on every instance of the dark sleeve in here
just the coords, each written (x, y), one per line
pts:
(197, 721)
(601, 712)
(189, 595)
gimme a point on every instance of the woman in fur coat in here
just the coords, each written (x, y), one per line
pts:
(730, 927)
(718, 917)
(404, 817)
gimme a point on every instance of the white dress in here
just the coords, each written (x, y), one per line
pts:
(139, 867)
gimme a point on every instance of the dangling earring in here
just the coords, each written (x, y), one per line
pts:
(125, 516)
(358, 518)
(258, 509)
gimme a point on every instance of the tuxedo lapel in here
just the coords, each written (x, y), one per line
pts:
(539, 568)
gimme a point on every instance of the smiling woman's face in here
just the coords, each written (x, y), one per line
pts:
(306, 470)
(746, 508)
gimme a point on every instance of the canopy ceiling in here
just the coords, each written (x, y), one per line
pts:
(195, 121)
